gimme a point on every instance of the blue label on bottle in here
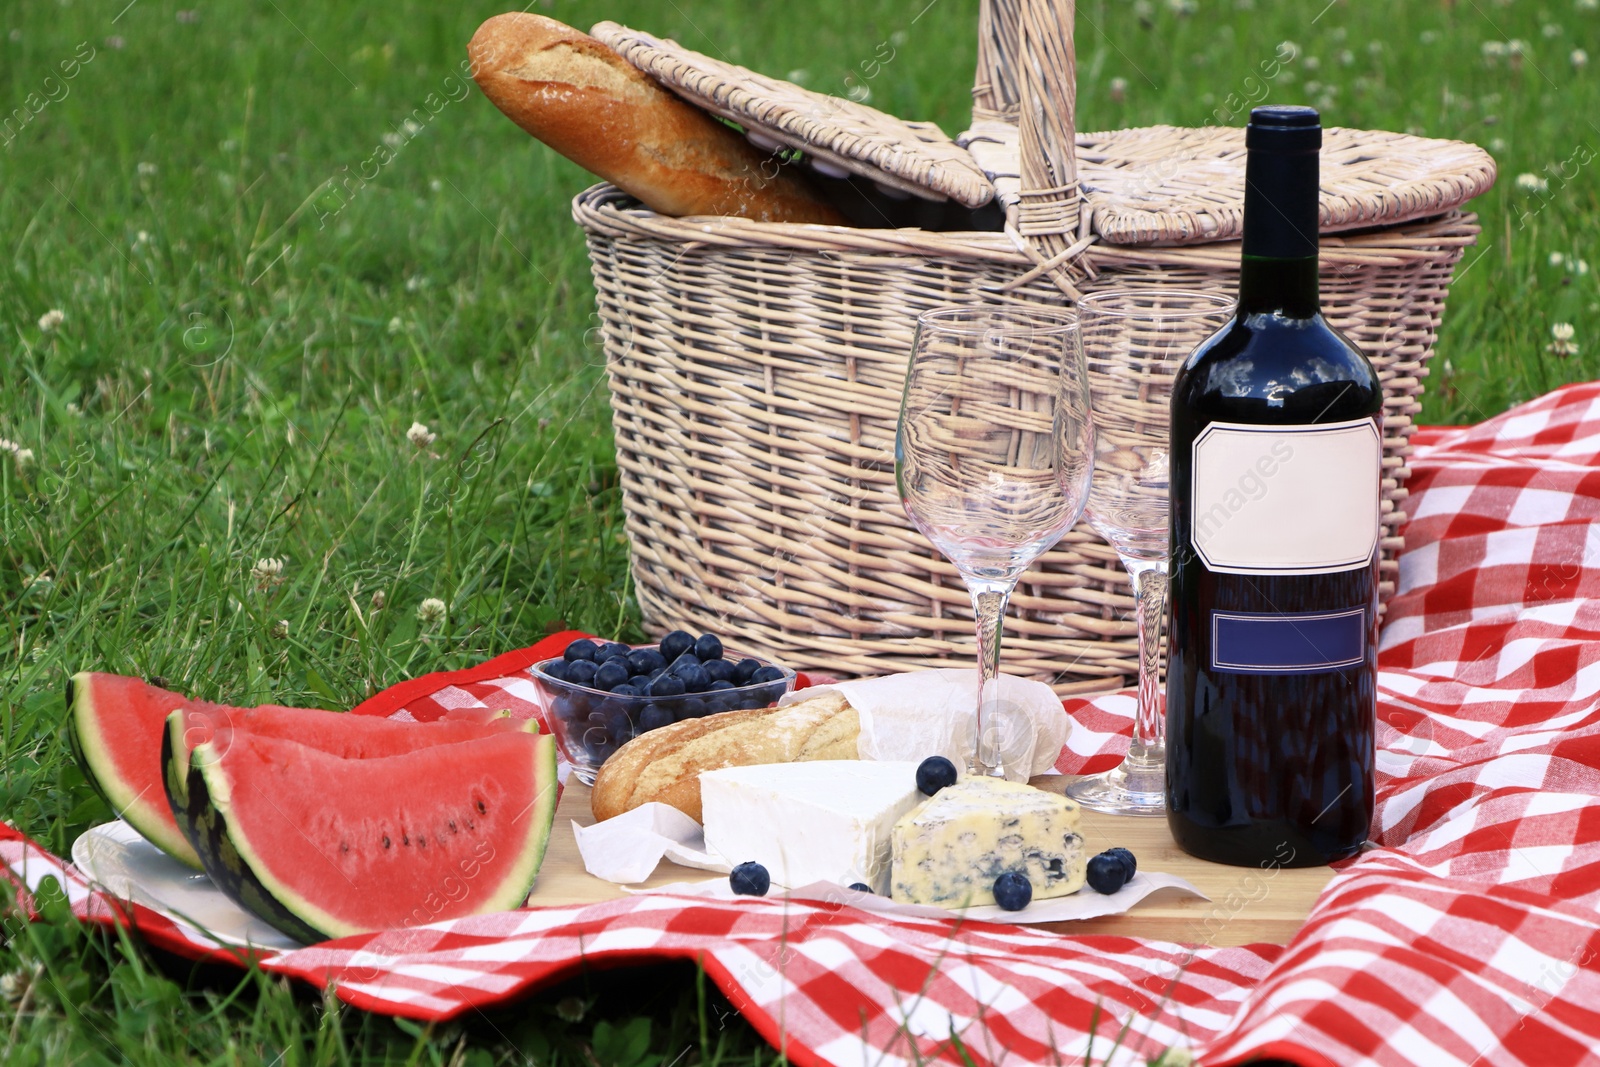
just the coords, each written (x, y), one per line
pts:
(1287, 643)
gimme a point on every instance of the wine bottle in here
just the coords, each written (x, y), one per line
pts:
(1276, 457)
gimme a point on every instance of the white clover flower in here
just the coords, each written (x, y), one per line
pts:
(1531, 183)
(1556, 259)
(436, 185)
(73, 409)
(280, 629)
(1586, 5)
(24, 457)
(411, 127)
(51, 320)
(393, 140)
(1347, 57)
(267, 572)
(1119, 90)
(1492, 49)
(1429, 37)
(431, 611)
(147, 170)
(1498, 145)
(7, 445)
(798, 76)
(396, 325)
(419, 435)
(1562, 345)
(1580, 266)
(1580, 58)
(13, 984)
(417, 282)
(1184, 7)
(1311, 63)
(1550, 29)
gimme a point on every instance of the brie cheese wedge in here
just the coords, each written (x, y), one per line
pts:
(811, 821)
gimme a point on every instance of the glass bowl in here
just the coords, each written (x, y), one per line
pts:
(590, 723)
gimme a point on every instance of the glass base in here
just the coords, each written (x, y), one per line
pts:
(1134, 787)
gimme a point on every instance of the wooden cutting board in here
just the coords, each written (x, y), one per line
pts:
(1246, 906)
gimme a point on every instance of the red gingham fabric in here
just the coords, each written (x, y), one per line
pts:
(1469, 933)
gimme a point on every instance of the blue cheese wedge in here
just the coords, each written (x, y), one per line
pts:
(811, 821)
(949, 850)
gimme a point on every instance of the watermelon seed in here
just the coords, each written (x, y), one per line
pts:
(422, 842)
(453, 826)
(385, 840)
(405, 839)
(481, 809)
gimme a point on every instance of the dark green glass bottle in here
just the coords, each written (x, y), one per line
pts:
(1276, 479)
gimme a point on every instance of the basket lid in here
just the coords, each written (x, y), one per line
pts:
(836, 135)
(1169, 185)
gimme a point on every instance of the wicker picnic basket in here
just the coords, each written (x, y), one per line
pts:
(756, 369)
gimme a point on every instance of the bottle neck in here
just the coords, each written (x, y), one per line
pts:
(1286, 287)
(1278, 274)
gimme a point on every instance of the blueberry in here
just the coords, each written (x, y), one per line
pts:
(645, 660)
(690, 708)
(934, 773)
(1107, 873)
(581, 649)
(612, 650)
(556, 668)
(653, 717)
(1013, 891)
(766, 674)
(668, 685)
(716, 705)
(709, 646)
(581, 672)
(610, 674)
(1128, 862)
(683, 663)
(640, 682)
(861, 887)
(718, 686)
(745, 669)
(719, 670)
(753, 700)
(626, 689)
(750, 879)
(694, 678)
(570, 707)
(676, 644)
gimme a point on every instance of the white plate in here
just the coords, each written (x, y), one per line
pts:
(129, 867)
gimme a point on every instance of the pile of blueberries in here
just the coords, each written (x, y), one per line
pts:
(642, 689)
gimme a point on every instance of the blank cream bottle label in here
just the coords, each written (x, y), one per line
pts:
(1286, 499)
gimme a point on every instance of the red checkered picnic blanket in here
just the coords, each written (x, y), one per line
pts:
(1469, 933)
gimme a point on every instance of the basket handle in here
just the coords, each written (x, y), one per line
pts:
(1027, 74)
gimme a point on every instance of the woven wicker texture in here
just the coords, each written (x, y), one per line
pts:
(913, 157)
(756, 373)
(1166, 185)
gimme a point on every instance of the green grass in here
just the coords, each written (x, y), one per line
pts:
(243, 351)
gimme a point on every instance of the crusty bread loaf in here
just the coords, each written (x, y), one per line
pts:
(665, 764)
(590, 104)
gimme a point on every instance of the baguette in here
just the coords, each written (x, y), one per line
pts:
(590, 104)
(664, 765)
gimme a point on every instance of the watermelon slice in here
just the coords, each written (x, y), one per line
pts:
(320, 846)
(117, 727)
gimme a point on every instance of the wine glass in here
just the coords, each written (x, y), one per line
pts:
(1134, 341)
(992, 462)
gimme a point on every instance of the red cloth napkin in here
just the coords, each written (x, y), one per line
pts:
(1469, 934)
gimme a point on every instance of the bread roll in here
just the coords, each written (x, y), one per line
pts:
(665, 764)
(587, 102)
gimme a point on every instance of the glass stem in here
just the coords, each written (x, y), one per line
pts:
(989, 610)
(1150, 604)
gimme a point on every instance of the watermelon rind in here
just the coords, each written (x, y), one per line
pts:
(144, 808)
(235, 864)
